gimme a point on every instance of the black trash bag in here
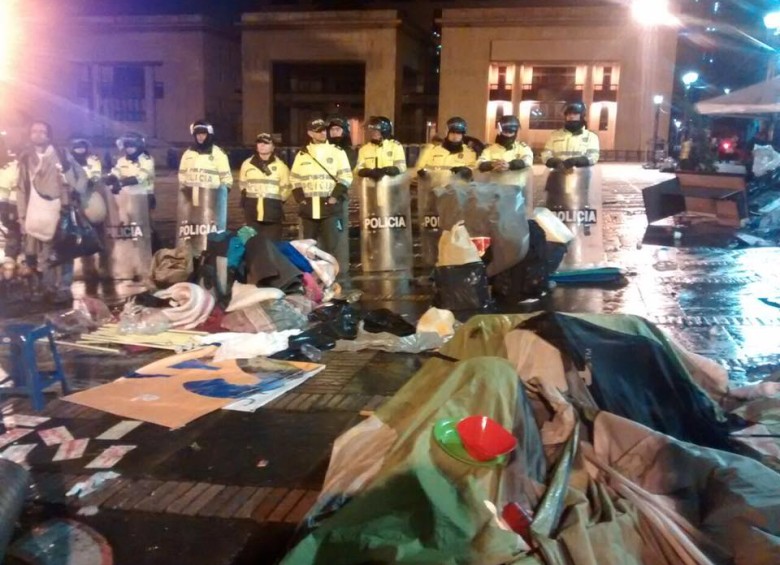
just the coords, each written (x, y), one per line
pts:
(341, 322)
(221, 264)
(462, 287)
(266, 266)
(530, 277)
(75, 237)
(384, 320)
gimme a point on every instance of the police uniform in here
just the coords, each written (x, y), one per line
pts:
(141, 169)
(93, 168)
(321, 171)
(564, 144)
(9, 216)
(205, 170)
(519, 151)
(267, 187)
(389, 153)
(440, 159)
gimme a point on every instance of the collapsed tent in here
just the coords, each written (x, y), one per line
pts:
(605, 487)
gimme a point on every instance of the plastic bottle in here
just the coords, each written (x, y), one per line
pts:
(311, 353)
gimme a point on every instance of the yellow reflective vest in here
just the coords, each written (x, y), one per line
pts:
(314, 170)
(497, 152)
(439, 159)
(389, 153)
(205, 170)
(563, 144)
(142, 169)
(271, 190)
(93, 169)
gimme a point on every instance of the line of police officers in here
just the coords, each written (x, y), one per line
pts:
(321, 173)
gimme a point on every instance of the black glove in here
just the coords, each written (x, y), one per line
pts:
(486, 166)
(366, 173)
(580, 161)
(340, 191)
(242, 202)
(128, 181)
(516, 164)
(113, 182)
(7, 213)
(152, 199)
(422, 173)
(391, 171)
(462, 172)
(299, 195)
(554, 163)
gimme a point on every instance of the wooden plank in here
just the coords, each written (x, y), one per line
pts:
(281, 403)
(269, 503)
(119, 494)
(288, 503)
(183, 501)
(142, 490)
(108, 490)
(216, 503)
(323, 401)
(248, 508)
(160, 503)
(309, 402)
(200, 502)
(154, 497)
(335, 401)
(295, 404)
(302, 508)
(230, 508)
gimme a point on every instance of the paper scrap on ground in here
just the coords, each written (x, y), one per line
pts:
(120, 430)
(71, 450)
(18, 453)
(253, 402)
(110, 457)
(53, 436)
(23, 421)
(92, 484)
(13, 435)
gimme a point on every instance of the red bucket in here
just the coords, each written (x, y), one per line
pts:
(484, 438)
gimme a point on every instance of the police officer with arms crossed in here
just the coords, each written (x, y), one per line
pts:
(452, 154)
(321, 177)
(265, 186)
(574, 145)
(382, 155)
(507, 153)
(134, 169)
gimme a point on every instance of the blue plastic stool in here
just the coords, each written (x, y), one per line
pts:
(25, 375)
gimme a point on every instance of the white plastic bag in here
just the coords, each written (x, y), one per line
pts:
(554, 229)
(765, 159)
(456, 247)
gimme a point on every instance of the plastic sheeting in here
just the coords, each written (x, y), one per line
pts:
(488, 210)
(522, 179)
(427, 214)
(765, 159)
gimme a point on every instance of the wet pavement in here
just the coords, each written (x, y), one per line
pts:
(196, 495)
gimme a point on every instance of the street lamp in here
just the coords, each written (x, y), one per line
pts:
(689, 78)
(658, 99)
(652, 13)
(772, 21)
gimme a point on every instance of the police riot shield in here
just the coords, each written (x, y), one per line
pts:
(523, 179)
(200, 212)
(493, 214)
(574, 195)
(385, 224)
(122, 269)
(427, 216)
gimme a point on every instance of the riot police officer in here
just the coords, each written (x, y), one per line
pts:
(321, 177)
(134, 169)
(265, 186)
(453, 154)
(339, 135)
(507, 153)
(573, 145)
(382, 155)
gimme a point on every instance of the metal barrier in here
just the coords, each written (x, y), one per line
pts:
(385, 224)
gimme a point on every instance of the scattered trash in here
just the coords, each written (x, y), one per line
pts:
(311, 353)
(415, 343)
(195, 446)
(262, 463)
(18, 453)
(110, 457)
(665, 259)
(92, 484)
(140, 320)
(248, 345)
(71, 450)
(753, 241)
(54, 436)
(11, 436)
(72, 322)
(23, 421)
(192, 305)
(120, 430)
(172, 340)
(87, 511)
(438, 321)
(384, 320)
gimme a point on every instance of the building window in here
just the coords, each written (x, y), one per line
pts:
(546, 115)
(550, 84)
(604, 119)
(122, 91)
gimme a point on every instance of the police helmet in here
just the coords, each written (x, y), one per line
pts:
(381, 124)
(79, 141)
(509, 124)
(201, 126)
(131, 139)
(456, 125)
(337, 120)
(575, 108)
